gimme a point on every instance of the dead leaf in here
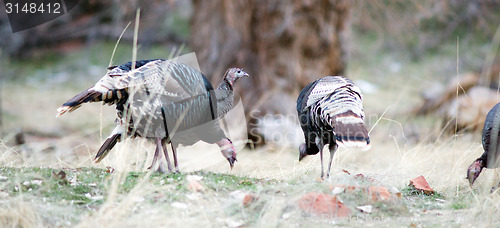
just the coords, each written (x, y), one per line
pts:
(420, 184)
(61, 175)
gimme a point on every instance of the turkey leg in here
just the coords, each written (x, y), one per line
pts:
(156, 156)
(332, 152)
(320, 146)
(174, 154)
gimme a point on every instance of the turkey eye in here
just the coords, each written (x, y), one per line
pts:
(239, 71)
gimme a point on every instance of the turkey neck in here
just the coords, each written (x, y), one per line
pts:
(225, 97)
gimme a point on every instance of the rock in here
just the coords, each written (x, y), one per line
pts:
(420, 184)
(323, 205)
(195, 186)
(248, 199)
(379, 193)
(337, 190)
(366, 208)
(395, 192)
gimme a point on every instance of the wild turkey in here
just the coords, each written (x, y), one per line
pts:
(163, 100)
(330, 112)
(491, 145)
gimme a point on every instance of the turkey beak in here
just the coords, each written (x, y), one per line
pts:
(473, 172)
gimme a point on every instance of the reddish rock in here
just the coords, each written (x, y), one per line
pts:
(379, 193)
(195, 186)
(323, 205)
(421, 184)
(248, 199)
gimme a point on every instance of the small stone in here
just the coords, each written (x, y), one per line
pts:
(97, 197)
(233, 223)
(393, 190)
(194, 177)
(337, 190)
(366, 208)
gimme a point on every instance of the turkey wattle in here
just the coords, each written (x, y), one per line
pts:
(166, 101)
(491, 145)
(330, 111)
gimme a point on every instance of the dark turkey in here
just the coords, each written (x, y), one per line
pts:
(491, 145)
(330, 112)
(165, 101)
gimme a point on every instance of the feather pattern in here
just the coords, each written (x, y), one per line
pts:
(491, 145)
(160, 99)
(491, 138)
(330, 111)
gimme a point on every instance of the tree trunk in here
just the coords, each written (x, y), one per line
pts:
(283, 45)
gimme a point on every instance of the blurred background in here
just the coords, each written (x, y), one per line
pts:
(429, 71)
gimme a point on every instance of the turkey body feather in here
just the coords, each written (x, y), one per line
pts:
(330, 112)
(165, 101)
(491, 145)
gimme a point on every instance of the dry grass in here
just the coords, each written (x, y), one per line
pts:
(161, 200)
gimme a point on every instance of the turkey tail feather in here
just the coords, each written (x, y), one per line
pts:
(106, 147)
(350, 131)
(343, 111)
(77, 101)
